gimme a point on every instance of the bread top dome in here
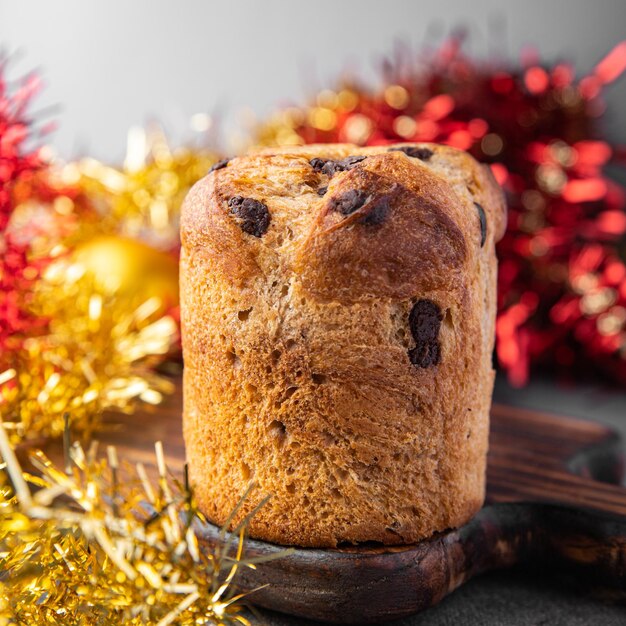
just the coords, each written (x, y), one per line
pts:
(352, 223)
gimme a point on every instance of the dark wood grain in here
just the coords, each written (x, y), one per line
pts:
(552, 500)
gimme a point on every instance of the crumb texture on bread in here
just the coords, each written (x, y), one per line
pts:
(338, 309)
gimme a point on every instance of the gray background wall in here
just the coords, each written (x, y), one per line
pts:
(115, 63)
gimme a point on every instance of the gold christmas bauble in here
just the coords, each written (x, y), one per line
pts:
(122, 265)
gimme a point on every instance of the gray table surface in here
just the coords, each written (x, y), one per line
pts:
(519, 598)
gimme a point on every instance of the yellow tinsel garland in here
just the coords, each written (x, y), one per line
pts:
(98, 353)
(109, 297)
(142, 199)
(98, 543)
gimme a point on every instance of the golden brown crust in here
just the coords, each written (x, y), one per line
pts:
(297, 342)
(346, 250)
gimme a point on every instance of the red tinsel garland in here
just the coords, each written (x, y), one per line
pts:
(18, 163)
(562, 280)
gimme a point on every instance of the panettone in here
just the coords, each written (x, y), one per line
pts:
(338, 308)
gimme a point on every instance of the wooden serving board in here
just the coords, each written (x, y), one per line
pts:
(552, 499)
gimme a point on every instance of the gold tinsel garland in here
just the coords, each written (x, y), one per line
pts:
(98, 353)
(99, 543)
(108, 297)
(142, 199)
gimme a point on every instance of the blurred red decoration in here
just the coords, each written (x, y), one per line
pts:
(562, 280)
(19, 164)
